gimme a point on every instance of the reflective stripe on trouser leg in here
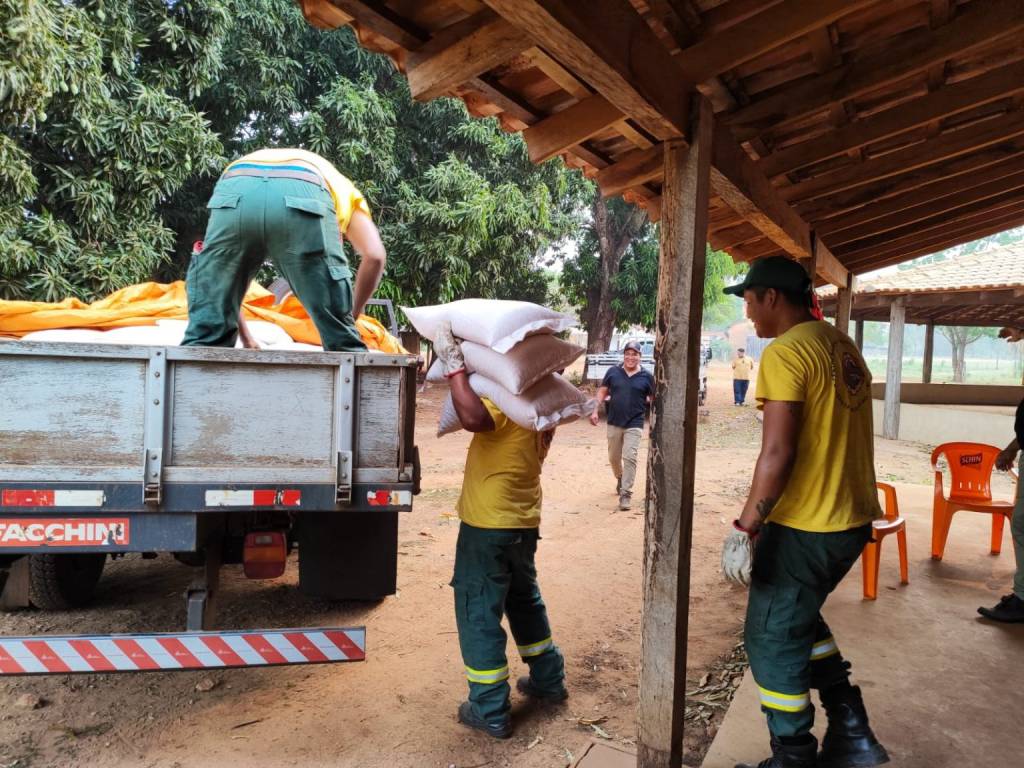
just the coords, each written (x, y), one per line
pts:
(824, 648)
(535, 649)
(487, 676)
(784, 702)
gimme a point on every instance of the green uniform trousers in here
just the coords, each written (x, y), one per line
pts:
(495, 575)
(790, 647)
(289, 222)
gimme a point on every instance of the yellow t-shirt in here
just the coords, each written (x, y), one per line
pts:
(742, 367)
(832, 487)
(347, 199)
(501, 486)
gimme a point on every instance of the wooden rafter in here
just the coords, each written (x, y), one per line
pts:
(553, 135)
(981, 24)
(942, 103)
(461, 52)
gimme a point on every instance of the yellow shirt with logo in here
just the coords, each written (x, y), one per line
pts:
(347, 199)
(501, 488)
(742, 367)
(832, 487)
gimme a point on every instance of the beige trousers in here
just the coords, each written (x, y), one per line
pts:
(623, 446)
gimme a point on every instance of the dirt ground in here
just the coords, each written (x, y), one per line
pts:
(398, 708)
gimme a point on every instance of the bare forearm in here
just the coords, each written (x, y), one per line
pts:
(371, 269)
(1013, 447)
(471, 410)
(770, 477)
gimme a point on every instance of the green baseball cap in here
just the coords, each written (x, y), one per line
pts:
(773, 272)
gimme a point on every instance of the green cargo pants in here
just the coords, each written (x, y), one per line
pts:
(290, 222)
(495, 575)
(790, 647)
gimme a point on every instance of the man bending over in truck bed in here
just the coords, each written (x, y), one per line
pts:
(494, 558)
(292, 207)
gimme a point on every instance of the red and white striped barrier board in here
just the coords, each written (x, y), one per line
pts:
(42, 655)
(44, 497)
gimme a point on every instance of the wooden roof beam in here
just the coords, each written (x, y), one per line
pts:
(843, 204)
(931, 193)
(945, 147)
(942, 103)
(461, 52)
(944, 233)
(947, 239)
(608, 42)
(761, 33)
(943, 205)
(980, 24)
(575, 124)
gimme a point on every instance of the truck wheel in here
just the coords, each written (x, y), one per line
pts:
(59, 582)
(348, 555)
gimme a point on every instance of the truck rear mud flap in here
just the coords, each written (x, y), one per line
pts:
(179, 651)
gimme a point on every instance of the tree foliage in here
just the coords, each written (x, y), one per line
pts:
(119, 116)
(97, 128)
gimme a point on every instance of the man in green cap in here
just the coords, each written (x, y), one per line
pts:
(290, 207)
(806, 520)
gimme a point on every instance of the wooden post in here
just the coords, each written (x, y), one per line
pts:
(929, 353)
(673, 447)
(859, 335)
(894, 370)
(844, 303)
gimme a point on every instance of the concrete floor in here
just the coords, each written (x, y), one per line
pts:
(943, 686)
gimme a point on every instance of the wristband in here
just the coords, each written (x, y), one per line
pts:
(738, 527)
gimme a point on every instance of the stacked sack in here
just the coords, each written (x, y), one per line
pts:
(512, 355)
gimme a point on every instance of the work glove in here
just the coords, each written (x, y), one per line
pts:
(448, 351)
(738, 555)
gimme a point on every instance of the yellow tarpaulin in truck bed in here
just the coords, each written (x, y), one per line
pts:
(145, 303)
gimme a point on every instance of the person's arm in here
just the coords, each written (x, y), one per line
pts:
(775, 462)
(1006, 457)
(602, 393)
(471, 410)
(248, 340)
(365, 239)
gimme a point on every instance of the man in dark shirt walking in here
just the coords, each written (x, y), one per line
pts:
(631, 389)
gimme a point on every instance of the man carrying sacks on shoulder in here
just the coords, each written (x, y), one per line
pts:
(499, 509)
(806, 520)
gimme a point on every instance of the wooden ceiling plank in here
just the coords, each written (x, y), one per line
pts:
(727, 15)
(949, 238)
(758, 35)
(565, 129)
(608, 43)
(944, 102)
(847, 204)
(925, 231)
(461, 52)
(943, 205)
(981, 23)
(565, 79)
(945, 147)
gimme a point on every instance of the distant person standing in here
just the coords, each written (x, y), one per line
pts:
(742, 367)
(631, 389)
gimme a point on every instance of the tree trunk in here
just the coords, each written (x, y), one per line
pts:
(613, 239)
(959, 366)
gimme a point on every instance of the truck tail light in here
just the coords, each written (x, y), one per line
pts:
(264, 555)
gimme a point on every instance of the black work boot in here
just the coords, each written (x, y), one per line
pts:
(802, 755)
(849, 741)
(499, 729)
(525, 686)
(1009, 610)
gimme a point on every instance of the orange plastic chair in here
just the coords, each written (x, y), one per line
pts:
(891, 523)
(970, 469)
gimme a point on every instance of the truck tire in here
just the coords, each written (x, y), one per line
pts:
(348, 555)
(60, 582)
